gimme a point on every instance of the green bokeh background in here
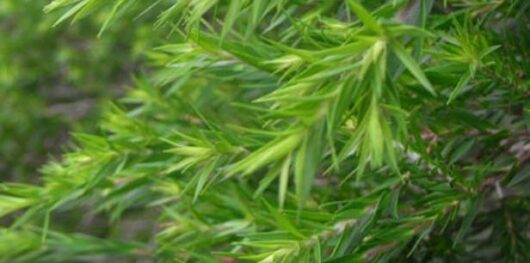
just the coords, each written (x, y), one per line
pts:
(54, 79)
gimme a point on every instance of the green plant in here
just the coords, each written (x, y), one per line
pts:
(53, 79)
(299, 131)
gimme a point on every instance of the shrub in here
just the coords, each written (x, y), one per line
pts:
(298, 131)
(52, 79)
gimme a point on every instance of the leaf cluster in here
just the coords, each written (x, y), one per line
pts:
(303, 131)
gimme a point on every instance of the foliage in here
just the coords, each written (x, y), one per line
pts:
(50, 79)
(300, 131)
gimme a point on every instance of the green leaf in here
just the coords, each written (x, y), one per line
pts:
(317, 252)
(307, 162)
(10, 204)
(231, 16)
(368, 20)
(266, 181)
(471, 214)
(412, 66)
(272, 151)
(284, 222)
(419, 239)
(203, 176)
(112, 14)
(461, 151)
(522, 175)
(462, 82)
(284, 180)
(70, 13)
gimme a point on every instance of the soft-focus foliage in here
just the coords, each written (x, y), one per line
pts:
(52, 77)
(298, 131)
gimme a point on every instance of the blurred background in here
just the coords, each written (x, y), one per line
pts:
(54, 80)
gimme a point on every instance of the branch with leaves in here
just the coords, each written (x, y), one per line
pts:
(300, 131)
